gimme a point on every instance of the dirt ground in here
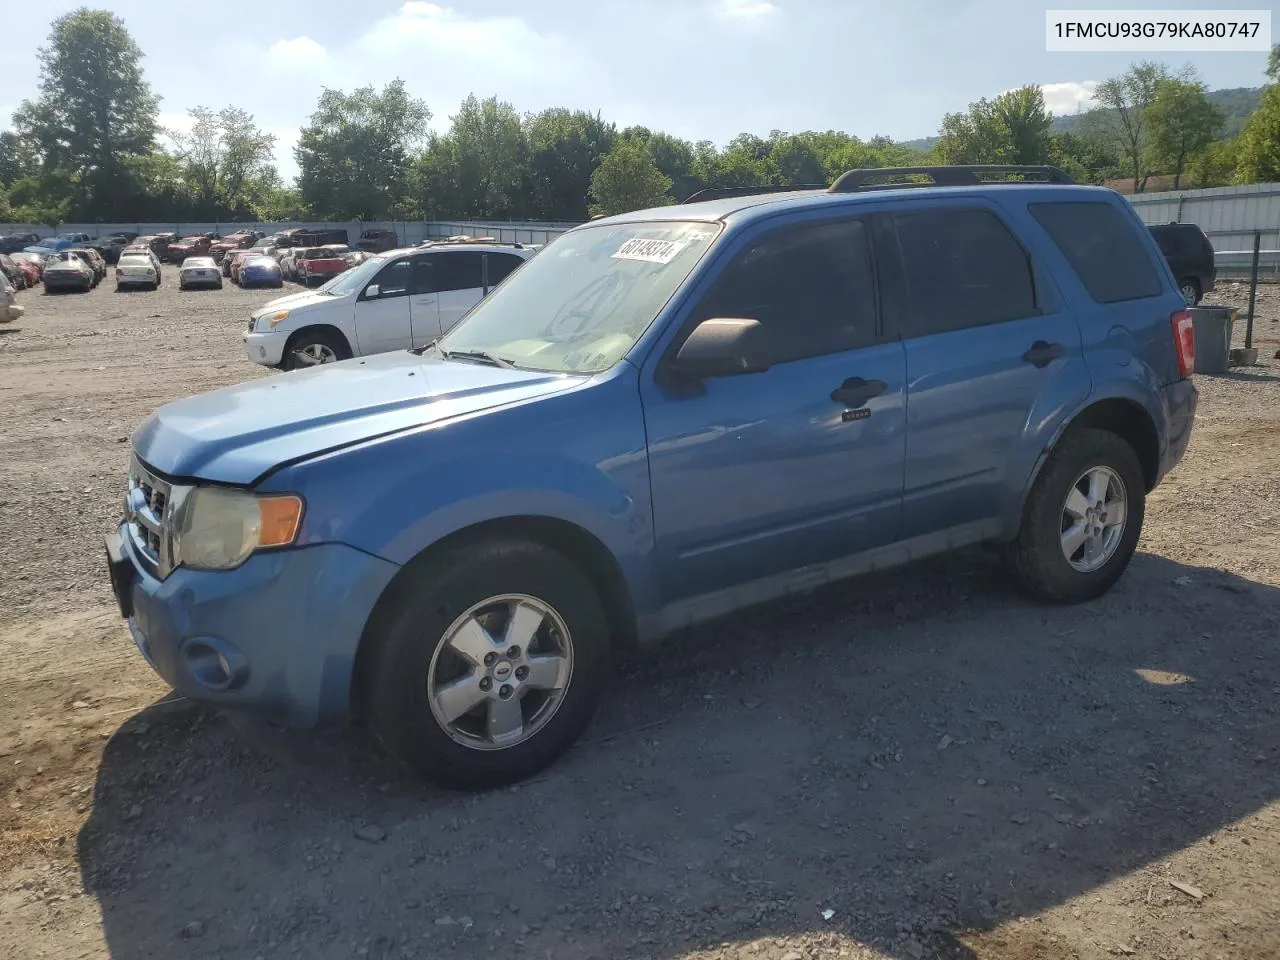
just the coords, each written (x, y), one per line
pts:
(914, 765)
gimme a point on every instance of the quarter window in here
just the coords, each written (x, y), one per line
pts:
(963, 269)
(1104, 248)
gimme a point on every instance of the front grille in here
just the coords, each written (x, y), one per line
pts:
(150, 505)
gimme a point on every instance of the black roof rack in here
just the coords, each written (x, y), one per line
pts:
(721, 193)
(953, 176)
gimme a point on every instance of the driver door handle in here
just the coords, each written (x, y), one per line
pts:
(855, 392)
(1042, 353)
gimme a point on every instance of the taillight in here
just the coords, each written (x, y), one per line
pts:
(1184, 342)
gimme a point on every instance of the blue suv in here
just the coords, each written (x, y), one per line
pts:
(663, 417)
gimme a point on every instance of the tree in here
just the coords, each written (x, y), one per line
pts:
(1012, 128)
(1258, 156)
(226, 160)
(1124, 121)
(95, 111)
(1273, 64)
(491, 157)
(1087, 159)
(628, 179)
(352, 155)
(1183, 122)
(671, 155)
(565, 148)
(1215, 165)
(16, 157)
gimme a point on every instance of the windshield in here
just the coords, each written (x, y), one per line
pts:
(353, 280)
(584, 301)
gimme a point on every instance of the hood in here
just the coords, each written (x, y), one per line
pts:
(236, 434)
(293, 301)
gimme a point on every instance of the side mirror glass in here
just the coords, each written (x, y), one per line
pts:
(372, 291)
(722, 347)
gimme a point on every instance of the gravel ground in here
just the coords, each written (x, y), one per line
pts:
(914, 765)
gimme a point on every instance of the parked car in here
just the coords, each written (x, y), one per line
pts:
(314, 237)
(13, 272)
(137, 270)
(321, 264)
(68, 273)
(663, 417)
(1190, 256)
(239, 240)
(65, 241)
(289, 262)
(199, 272)
(10, 309)
(197, 246)
(377, 240)
(160, 244)
(144, 249)
(395, 300)
(14, 242)
(32, 264)
(91, 257)
(112, 245)
(260, 271)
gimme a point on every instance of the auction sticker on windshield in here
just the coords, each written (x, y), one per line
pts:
(652, 251)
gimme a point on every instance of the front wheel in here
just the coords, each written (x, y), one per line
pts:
(1081, 523)
(488, 664)
(312, 348)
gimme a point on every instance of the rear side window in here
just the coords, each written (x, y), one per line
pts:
(1103, 247)
(963, 269)
(810, 286)
(458, 271)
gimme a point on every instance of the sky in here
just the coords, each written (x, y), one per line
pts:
(699, 69)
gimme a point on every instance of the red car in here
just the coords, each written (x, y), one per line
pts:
(197, 246)
(31, 265)
(240, 240)
(318, 264)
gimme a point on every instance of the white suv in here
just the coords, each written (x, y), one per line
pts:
(394, 301)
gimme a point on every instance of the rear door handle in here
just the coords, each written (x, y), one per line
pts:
(1042, 353)
(855, 391)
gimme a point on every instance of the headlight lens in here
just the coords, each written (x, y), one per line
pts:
(278, 316)
(218, 528)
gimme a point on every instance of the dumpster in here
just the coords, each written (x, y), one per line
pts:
(1213, 327)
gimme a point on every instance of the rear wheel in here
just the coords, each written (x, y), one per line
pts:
(488, 664)
(1190, 290)
(310, 348)
(1081, 523)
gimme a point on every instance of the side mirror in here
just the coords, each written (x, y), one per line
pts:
(372, 291)
(722, 347)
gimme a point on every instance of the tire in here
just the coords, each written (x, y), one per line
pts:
(322, 340)
(1190, 290)
(1038, 558)
(410, 643)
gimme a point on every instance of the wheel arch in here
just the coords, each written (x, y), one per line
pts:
(574, 542)
(312, 328)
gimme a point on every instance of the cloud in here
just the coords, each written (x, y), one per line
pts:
(744, 10)
(302, 49)
(1069, 97)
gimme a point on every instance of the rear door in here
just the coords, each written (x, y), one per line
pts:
(988, 344)
(424, 302)
(383, 318)
(459, 279)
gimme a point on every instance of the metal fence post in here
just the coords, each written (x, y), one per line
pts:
(1253, 288)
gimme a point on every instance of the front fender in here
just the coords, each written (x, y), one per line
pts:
(578, 457)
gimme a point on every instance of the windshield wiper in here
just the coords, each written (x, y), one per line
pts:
(480, 355)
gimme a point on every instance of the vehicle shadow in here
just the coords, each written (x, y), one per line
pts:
(923, 753)
(1243, 376)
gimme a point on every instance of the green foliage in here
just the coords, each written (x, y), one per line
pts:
(1183, 123)
(1258, 154)
(353, 154)
(1214, 166)
(227, 163)
(95, 111)
(628, 179)
(565, 148)
(1125, 123)
(1012, 128)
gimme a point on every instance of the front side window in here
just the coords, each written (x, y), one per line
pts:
(393, 280)
(963, 269)
(810, 286)
(583, 301)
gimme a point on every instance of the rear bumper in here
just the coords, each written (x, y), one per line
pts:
(1179, 401)
(276, 637)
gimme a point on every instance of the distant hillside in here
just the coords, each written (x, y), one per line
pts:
(1237, 103)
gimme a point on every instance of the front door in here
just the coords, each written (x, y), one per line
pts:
(989, 347)
(382, 310)
(762, 473)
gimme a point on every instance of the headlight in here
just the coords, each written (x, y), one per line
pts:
(218, 528)
(277, 317)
